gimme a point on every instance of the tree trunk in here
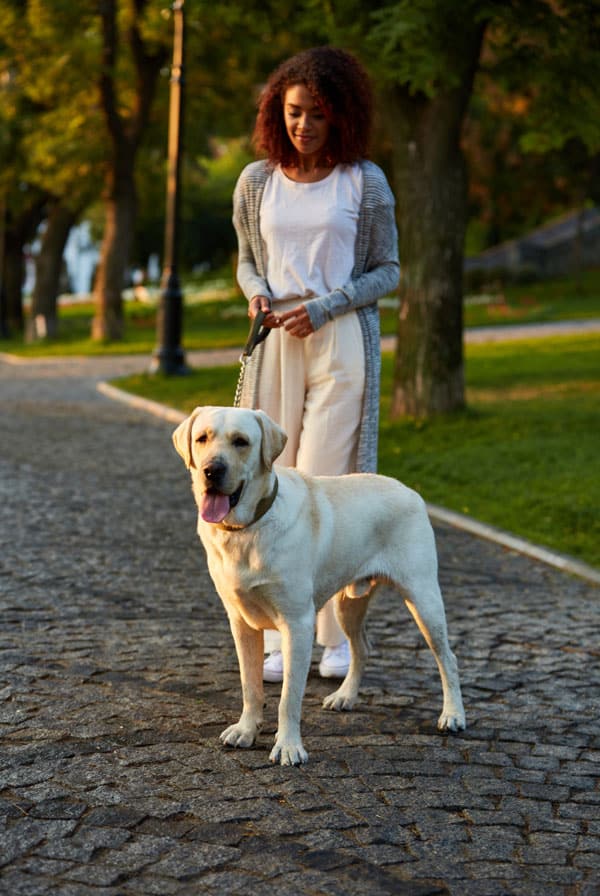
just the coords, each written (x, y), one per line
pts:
(43, 321)
(125, 132)
(13, 276)
(431, 188)
(108, 322)
(18, 231)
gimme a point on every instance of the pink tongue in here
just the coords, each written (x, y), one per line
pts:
(215, 507)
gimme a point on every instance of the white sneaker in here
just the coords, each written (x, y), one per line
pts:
(335, 662)
(273, 666)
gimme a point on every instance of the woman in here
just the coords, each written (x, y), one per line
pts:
(317, 248)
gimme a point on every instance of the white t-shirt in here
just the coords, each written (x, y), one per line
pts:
(309, 231)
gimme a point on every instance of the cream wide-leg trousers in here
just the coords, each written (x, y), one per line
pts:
(313, 388)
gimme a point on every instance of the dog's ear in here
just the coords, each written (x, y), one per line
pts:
(273, 438)
(182, 438)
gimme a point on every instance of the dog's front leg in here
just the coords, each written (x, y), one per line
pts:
(296, 645)
(249, 647)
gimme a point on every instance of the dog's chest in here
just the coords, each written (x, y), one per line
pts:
(244, 584)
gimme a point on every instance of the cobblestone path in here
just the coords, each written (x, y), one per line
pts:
(117, 673)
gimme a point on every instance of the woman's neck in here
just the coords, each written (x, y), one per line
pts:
(307, 172)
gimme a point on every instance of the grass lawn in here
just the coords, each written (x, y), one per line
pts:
(210, 324)
(523, 457)
(568, 298)
(215, 316)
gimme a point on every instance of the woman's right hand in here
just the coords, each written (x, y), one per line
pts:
(262, 303)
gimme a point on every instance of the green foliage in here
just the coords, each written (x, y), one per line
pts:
(49, 51)
(551, 54)
(420, 44)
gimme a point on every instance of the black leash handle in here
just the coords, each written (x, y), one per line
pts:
(257, 334)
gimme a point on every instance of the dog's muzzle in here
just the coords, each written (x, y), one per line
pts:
(216, 503)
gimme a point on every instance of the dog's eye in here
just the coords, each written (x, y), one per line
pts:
(240, 442)
(202, 438)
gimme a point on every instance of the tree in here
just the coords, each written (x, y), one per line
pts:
(425, 56)
(424, 69)
(21, 202)
(62, 161)
(43, 318)
(126, 114)
(22, 216)
(52, 140)
(430, 177)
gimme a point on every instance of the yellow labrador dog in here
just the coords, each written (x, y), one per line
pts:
(279, 544)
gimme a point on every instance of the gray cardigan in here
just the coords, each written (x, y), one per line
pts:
(375, 274)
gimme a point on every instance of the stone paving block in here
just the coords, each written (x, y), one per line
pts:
(588, 860)
(18, 841)
(187, 862)
(151, 884)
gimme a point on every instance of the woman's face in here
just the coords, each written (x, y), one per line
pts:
(305, 122)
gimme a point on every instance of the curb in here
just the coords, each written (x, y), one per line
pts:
(458, 520)
(142, 404)
(551, 558)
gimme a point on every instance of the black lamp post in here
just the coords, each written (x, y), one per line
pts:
(168, 356)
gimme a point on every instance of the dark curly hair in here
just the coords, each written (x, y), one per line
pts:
(339, 84)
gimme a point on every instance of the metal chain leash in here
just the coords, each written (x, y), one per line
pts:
(257, 334)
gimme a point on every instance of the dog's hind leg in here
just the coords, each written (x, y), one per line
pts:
(249, 647)
(427, 608)
(351, 612)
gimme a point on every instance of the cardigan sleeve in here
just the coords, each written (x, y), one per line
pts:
(248, 277)
(381, 271)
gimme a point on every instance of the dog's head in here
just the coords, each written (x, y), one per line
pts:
(230, 454)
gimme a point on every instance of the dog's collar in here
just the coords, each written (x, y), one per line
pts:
(262, 507)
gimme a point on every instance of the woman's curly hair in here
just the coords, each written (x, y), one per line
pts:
(340, 85)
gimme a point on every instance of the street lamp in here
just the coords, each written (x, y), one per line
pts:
(168, 356)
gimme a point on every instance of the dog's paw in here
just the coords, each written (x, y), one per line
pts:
(342, 700)
(238, 736)
(288, 753)
(453, 722)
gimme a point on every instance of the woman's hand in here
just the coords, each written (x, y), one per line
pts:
(262, 303)
(296, 322)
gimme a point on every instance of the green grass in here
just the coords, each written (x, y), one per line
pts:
(568, 298)
(223, 322)
(212, 385)
(523, 457)
(211, 324)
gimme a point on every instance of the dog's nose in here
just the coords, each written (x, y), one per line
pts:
(215, 472)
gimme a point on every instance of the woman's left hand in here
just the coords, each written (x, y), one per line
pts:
(297, 322)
